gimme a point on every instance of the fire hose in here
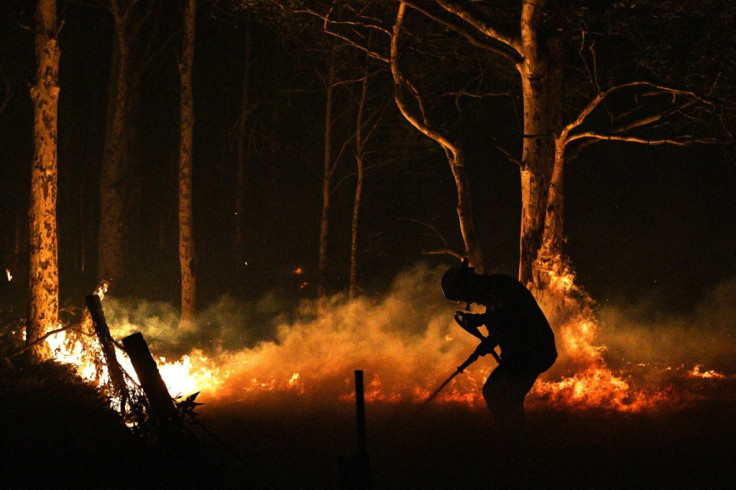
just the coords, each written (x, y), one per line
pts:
(487, 346)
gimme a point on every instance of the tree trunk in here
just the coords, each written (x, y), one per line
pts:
(541, 81)
(550, 258)
(324, 222)
(473, 250)
(114, 160)
(187, 258)
(43, 302)
(453, 150)
(359, 162)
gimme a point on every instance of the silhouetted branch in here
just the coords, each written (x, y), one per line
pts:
(619, 132)
(400, 82)
(39, 340)
(507, 46)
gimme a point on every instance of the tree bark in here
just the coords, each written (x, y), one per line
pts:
(187, 257)
(324, 223)
(550, 258)
(43, 303)
(541, 81)
(359, 164)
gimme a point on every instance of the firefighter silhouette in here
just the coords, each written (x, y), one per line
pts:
(517, 325)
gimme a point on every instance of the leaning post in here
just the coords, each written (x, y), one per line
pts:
(162, 406)
(102, 330)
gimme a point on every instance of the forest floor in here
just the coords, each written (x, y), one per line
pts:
(291, 446)
(58, 433)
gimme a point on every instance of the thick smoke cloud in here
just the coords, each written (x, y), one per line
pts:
(405, 341)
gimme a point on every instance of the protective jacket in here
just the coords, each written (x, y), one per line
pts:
(516, 322)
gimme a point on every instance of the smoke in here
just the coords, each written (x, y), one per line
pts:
(644, 333)
(406, 342)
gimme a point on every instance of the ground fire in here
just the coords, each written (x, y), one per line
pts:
(406, 342)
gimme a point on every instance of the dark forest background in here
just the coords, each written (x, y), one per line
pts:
(640, 221)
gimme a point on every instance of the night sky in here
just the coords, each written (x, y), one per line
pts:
(641, 223)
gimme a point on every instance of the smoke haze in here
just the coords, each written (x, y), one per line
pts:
(645, 334)
(405, 341)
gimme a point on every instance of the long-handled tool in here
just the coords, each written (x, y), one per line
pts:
(486, 346)
(470, 360)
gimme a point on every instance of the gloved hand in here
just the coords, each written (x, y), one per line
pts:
(485, 347)
(469, 320)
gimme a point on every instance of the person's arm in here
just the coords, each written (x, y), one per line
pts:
(470, 322)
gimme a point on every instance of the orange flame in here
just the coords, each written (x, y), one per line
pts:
(407, 344)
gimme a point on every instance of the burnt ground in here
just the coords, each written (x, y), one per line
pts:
(56, 432)
(293, 446)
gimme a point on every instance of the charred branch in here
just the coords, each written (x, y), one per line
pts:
(162, 405)
(117, 378)
(38, 340)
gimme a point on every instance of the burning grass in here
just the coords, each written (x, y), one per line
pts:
(277, 383)
(407, 344)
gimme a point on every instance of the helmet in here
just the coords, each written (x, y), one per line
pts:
(454, 282)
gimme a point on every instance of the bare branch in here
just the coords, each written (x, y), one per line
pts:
(512, 46)
(506, 46)
(445, 251)
(591, 70)
(39, 340)
(691, 99)
(476, 95)
(400, 83)
(508, 155)
(336, 163)
(441, 251)
(327, 22)
(682, 141)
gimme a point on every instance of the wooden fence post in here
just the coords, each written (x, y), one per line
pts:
(102, 330)
(162, 406)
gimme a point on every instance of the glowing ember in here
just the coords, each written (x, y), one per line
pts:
(596, 388)
(697, 372)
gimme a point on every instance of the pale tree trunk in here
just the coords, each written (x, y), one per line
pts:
(43, 303)
(187, 257)
(550, 258)
(115, 153)
(537, 53)
(453, 150)
(242, 138)
(464, 209)
(541, 81)
(324, 223)
(359, 163)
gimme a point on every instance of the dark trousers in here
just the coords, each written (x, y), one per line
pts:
(504, 393)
